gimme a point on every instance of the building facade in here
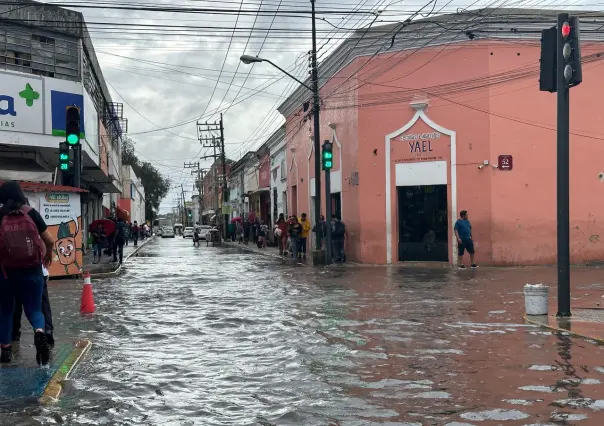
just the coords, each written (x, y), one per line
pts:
(435, 125)
(133, 196)
(278, 174)
(47, 62)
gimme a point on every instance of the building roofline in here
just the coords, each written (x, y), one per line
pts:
(499, 24)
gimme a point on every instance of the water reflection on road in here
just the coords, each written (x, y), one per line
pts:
(216, 336)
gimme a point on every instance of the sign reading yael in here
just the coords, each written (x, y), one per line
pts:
(420, 143)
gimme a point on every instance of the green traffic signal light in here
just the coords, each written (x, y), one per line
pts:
(64, 156)
(73, 139)
(72, 125)
(327, 155)
(64, 166)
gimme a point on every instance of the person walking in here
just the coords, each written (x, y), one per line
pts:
(247, 229)
(46, 311)
(465, 242)
(338, 235)
(25, 245)
(262, 234)
(99, 240)
(295, 229)
(121, 233)
(305, 223)
(135, 233)
(282, 234)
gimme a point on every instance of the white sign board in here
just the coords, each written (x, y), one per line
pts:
(21, 104)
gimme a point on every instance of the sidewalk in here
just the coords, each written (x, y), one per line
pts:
(587, 318)
(106, 264)
(22, 378)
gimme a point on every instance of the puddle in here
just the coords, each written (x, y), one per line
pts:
(497, 414)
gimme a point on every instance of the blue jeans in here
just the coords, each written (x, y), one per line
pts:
(97, 249)
(28, 284)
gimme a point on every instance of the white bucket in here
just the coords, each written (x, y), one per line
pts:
(535, 299)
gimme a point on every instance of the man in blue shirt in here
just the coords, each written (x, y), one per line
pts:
(463, 232)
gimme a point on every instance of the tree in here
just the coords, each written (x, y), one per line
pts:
(156, 186)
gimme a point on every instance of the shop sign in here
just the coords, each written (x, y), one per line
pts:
(21, 104)
(505, 162)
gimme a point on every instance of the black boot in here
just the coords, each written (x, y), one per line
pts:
(6, 354)
(42, 349)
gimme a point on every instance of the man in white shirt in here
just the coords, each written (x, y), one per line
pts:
(49, 328)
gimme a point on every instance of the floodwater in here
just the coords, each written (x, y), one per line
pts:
(219, 336)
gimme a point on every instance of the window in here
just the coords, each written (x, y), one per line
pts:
(43, 39)
(283, 170)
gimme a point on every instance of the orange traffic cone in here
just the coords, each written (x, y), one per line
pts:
(87, 306)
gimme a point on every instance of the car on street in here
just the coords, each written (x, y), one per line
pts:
(203, 230)
(167, 232)
(188, 232)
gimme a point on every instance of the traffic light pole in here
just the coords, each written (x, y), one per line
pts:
(77, 165)
(317, 137)
(563, 177)
(328, 244)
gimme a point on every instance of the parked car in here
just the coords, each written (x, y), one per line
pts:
(203, 230)
(167, 232)
(188, 232)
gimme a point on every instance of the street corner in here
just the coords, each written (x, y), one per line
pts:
(584, 323)
(53, 390)
(23, 378)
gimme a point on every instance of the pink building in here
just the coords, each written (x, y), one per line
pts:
(446, 115)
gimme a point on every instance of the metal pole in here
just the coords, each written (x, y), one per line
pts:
(224, 179)
(328, 243)
(77, 165)
(317, 134)
(563, 180)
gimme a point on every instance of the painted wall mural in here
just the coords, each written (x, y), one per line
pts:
(62, 213)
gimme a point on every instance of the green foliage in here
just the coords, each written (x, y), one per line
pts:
(156, 186)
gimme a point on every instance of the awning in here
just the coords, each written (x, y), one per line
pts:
(46, 187)
(265, 189)
(208, 212)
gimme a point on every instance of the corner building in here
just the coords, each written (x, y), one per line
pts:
(448, 116)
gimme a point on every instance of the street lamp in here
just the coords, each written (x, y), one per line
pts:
(248, 59)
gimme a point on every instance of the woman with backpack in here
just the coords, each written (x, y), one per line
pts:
(25, 245)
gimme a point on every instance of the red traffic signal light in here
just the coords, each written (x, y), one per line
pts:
(565, 29)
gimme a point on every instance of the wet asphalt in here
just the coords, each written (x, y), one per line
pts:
(221, 336)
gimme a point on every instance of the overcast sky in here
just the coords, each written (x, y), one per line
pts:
(166, 72)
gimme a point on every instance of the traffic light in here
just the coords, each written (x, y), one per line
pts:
(64, 160)
(189, 213)
(327, 155)
(571, 52)
(72, 125)
(547, 72)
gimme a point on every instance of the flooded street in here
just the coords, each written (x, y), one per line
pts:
(219, 336)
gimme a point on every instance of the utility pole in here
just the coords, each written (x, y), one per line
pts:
(211, 135)
(184, 209)
(317, 141)
(224, 176)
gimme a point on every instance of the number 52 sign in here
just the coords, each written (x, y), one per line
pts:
(505, 162)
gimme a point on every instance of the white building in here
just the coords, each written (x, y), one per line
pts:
(276, 146)
(133, 195)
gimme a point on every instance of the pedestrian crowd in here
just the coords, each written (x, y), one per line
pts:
(112, 242)
(290, 235)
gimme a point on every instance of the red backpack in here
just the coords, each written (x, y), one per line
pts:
(20, 242)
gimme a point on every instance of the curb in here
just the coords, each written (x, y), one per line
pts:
(119, 268)
(53, 390)
(562, 330)
(262, 253)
